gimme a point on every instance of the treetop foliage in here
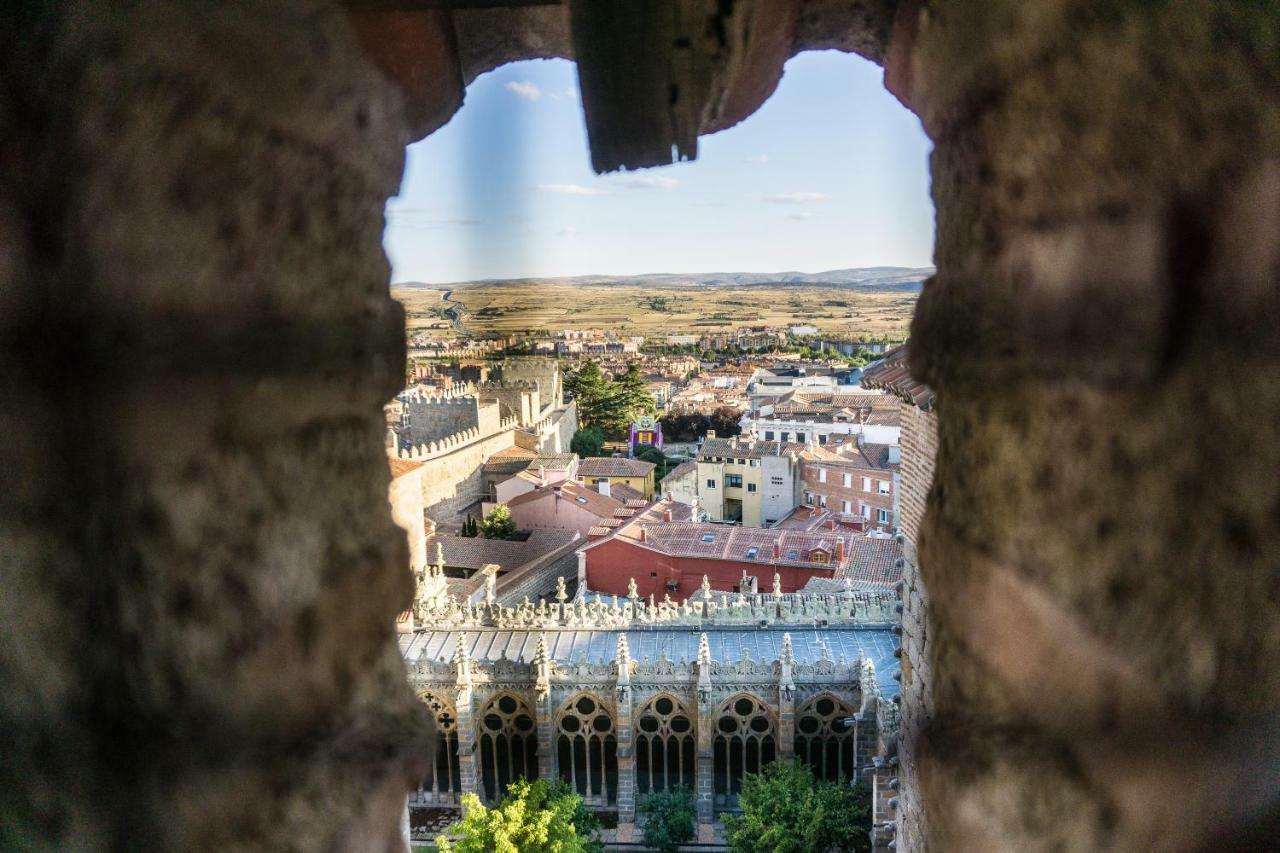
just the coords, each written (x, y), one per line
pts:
(534, 817)
(786, 810)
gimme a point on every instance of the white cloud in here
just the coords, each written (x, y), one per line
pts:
(570, 189)
(524, 89)
(758, 159)
(796, 198)
(648, 182)
(568, 231)
(801, 216)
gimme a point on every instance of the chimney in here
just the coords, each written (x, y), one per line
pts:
(644, 534)
(839, 550)
(895, 454)
(831, 524)
(666, 515)
(777, 551)
(711, 433)
(603, 487)
(542, 473)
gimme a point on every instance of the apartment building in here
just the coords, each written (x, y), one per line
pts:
(854, 480)
(746, 480)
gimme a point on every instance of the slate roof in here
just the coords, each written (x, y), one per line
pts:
(596, 466)
(726, 643)
(893, 374)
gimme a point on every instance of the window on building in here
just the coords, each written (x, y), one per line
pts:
(733, 481)
(846, 479)
(664, 745)
(882, 516)
(768, 435)
(822, 500)
(711, 484)
(822, 475)
(884, 486)
(742, 462)
(777, 481)
(587, 750)
(708, 537)
(744, 742)
(865, 511)
(800, 438)
(828, 747)
(844, 507)
(440, 785)
(822, 438)
(752, 551)
(751, 487)
(786, 436)
(866, 484)
(508, 745)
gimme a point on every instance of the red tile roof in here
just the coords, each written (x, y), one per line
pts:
(893, 373)
(597, 466)
(570, 490)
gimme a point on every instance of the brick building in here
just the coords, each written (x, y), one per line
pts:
(854, 480)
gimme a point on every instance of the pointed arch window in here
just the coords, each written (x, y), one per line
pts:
(508, 744)
(828, 747)
(440, 784)
(745, 740)
(587, 749)
(664, 745)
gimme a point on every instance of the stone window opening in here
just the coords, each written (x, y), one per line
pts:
(587, 750)
(508, 745)
(824, 743)
(441, 783)
(664, 745)
(745, 741)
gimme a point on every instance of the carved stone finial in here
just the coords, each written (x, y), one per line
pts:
(777, 584)
(561, 592)
(540, 651)
(490, 589)
(787, 655)
(440, 555)
(623, 655)
(704, 649)
(706, 585)
(632, 592)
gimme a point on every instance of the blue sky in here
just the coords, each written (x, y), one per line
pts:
(831, 172)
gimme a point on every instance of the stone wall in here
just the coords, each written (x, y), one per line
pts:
(1102, 537)
(198, 563)
(454, 480)
(435, 418)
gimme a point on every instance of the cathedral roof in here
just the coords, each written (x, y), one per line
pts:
(727, 643)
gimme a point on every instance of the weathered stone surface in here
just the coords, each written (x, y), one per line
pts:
(199, 567)
(1100, 550)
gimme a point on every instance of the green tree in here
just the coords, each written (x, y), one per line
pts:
(588, 441)
(598, 398)
(534, 817)
(657, 457)
(786, 810)
(499, 524)
(634, 392)
(668, 818)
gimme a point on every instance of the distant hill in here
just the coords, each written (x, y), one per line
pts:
(882, 279)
